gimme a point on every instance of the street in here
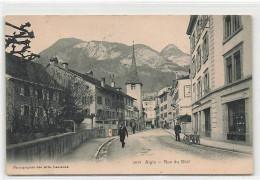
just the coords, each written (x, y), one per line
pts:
(158, 150)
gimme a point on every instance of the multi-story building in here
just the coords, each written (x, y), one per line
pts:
(104, 103)
(134, 89)
(165, 109)
(149, 104)
(221, 72)
(181, 103)
(33, 97)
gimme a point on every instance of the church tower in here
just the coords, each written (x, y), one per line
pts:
(134, 84)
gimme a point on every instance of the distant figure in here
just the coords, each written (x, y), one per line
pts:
(133, 128)
(177, 129)
(122, 132)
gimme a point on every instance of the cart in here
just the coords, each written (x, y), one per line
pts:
(191, 138)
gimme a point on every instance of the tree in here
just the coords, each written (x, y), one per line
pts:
(19, 43)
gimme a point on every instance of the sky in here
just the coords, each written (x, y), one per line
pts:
(154, 31)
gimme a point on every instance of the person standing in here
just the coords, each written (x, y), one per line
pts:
(177, 129)
(122, 132)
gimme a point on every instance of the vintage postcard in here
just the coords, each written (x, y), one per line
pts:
(133, 94)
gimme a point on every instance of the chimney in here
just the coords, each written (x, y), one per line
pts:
(113, 84)
(89, 73)
(54, 61)
(103, 82)
(112, 77)
(64, 65)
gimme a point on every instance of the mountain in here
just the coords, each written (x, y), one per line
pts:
(174, 54)
(105, 58)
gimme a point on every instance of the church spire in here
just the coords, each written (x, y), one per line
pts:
(133, 77)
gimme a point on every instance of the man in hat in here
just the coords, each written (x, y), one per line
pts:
(122, 132)
(177, 129)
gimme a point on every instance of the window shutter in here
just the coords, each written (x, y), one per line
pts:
(43, 93)
(31, 91)
(22, 90)
(47, 95)
(54, 96)
(22, 110)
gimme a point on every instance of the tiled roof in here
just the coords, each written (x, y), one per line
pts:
(29, 71)
(98, 83)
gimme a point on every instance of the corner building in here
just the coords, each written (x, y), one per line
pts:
(221, 73)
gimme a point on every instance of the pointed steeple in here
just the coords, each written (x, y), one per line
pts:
(133, 77)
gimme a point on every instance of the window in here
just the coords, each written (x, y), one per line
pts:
(84, 100)
(162, 115)
(165, 106)
(40, 111)
(234, 65)
(192, 42)
(165, 114)
(198, 59)
(229, 69)
(199, 95)
(162, 100)
(27, 90)
(25, 111)
(107, 102)
(205, 47)
(198, 29)
(162, 108)
(232, 24)
(236, 119)
(165, 97)
(132, 86)
(193, 68)
(206, 82)
(237, 65)
(99, 100)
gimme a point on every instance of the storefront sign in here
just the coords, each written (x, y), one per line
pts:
(187, 91)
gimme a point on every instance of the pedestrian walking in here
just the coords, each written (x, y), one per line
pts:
(177, 129)
(122, 132)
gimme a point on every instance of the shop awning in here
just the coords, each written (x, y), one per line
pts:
(184, 118)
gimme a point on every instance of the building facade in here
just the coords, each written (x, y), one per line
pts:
(149, 113)
(102, 103)
(165, 109)
(181, 103)
(33, 97)
(221, 72)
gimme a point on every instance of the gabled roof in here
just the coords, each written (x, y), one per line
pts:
(29, 71)
(97, 83)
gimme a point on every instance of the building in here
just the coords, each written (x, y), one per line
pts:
(149, 113)
(181, 103)
(102, 103)
(33, 98)
(165, 109)
(134, 87)
(221, 72)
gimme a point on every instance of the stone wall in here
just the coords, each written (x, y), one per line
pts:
(50, 147)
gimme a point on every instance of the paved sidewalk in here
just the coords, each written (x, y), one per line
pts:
(86, 151)
(220, 145)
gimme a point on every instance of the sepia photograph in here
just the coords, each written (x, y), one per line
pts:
(128, 94)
